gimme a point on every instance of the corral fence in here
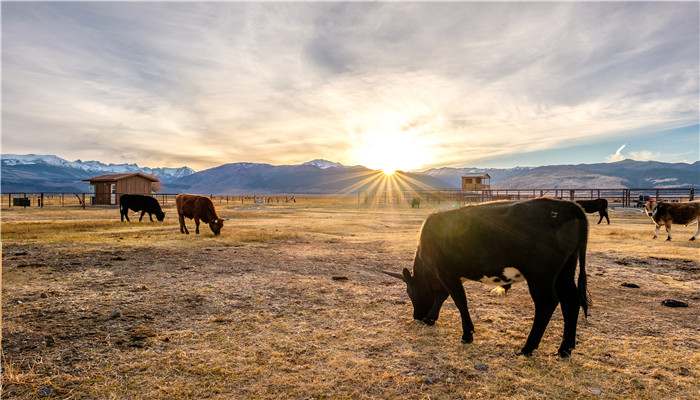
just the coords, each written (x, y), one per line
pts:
(617, 197)
(57, 199)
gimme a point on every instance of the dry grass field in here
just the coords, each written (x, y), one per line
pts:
(289, 302)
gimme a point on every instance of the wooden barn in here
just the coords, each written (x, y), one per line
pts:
(106, 189)
(476, 182)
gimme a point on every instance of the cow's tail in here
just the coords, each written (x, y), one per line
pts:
(583, 295)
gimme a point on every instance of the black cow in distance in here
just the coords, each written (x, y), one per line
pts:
(136, 203)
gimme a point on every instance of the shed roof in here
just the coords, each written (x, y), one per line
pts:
(116, 177)
(477, 175)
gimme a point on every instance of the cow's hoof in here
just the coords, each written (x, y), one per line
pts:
(692, 238)
(523, 353)
(429, 321)
(564, 353)
(467, 340)
(668, 239)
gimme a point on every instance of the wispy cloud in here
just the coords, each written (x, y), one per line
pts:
(618, 154)
(207, 83)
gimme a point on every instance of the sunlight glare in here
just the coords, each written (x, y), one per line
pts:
(391, 151)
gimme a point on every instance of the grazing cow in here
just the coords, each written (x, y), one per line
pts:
(673, 213)
(415, 203)
(597, 205)
(198, 207)
(136, 203)
(502, 243)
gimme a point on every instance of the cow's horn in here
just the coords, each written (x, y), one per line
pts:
(395, 275)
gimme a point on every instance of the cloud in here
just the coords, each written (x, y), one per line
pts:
(642, 155)
(210, 83)
(618, 155)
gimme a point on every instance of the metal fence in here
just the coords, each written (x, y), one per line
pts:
(619, 197)
(56, 199)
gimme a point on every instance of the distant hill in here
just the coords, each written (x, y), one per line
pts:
(45, 173)
(49, 173)
(622, 174)
(309, 178)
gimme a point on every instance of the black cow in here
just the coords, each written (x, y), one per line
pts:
(502, 243)
(136, 203)
(597, 205)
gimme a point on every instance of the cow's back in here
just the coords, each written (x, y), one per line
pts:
(502, 234)
(196, 206)
(679, 213)
(185, 204)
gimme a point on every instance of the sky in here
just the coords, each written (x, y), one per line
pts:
(395, 85)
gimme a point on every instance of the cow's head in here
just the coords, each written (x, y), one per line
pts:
(422, 297)
(160, 215)
(650, 206)
(216, 225)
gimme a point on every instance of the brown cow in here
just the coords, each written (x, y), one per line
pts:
(673, 213)
(198, 207)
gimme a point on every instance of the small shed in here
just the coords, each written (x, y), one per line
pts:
(476, 182)
(106, 189)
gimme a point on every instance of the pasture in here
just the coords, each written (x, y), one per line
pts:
(289, 302)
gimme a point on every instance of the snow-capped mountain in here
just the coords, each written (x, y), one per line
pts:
(324, 164)
(94, 167)
(48, 173)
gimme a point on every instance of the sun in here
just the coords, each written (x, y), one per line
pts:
(391, 151)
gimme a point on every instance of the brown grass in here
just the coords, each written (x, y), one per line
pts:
(255, 313)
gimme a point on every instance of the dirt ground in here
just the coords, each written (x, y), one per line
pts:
(289, 302)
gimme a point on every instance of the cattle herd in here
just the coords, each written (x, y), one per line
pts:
(540, 241)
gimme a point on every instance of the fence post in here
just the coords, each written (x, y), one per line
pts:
(83, 201)
(692, 194)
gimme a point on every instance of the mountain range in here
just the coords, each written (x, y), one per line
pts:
(49, 173)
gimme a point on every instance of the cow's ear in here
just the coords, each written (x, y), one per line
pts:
(406, 275)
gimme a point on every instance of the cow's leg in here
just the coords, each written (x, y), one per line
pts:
(697, 232)
(668, 230)
(601, 216)
(434, 312)
(183, 228)
(456, 291)
(542, 293)
(124, 213)
(567, 293)
(196, 224)
(142, 214)
(656, 231)
(150, 216)
(606, 217)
